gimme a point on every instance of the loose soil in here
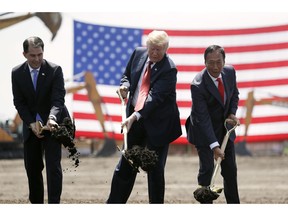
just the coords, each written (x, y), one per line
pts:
(262, 180)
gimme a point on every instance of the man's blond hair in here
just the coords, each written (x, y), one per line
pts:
(159, 38)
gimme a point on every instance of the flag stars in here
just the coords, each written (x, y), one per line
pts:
(101, 68)
(119, 37)
(104, 50)
(124, 57)
(124, 44)
(101, 29)
(112, 69)
(118, 50)
(90, 41)
(95, 48)
(78, 25)
(112, 56)
(95, 61)
(78, 65)
(101, 55)
(78, 52)
(95, 35)
(89, 27)
(90, 67)
(101, 42)
(118, 63)
(78, 39)
(90, 53)
(84, 33)
(107, 36)
(84, 46)
(84, 59)
(112, 82)
(106, 75)
(112, 43)
(113, 30)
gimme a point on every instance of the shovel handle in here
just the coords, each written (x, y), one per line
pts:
(123, 110)
(223, 146)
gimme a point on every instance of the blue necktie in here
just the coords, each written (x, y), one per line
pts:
(35, 77)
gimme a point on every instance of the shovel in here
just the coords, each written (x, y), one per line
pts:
(210, 193)
(136, 156)
(124, 131)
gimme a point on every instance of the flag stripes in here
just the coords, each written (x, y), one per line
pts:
(259, 55)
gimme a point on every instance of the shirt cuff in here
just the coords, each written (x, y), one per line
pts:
(213, 145)
(52, 117)
(138, 115)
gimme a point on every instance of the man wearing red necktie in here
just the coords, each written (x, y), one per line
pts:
(214, 98)
(152, 115)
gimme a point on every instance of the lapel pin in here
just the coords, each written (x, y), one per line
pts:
(43, 74)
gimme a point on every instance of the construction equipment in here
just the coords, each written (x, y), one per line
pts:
(11, 139)
(109, 144)
(250, 102)
(51, 20)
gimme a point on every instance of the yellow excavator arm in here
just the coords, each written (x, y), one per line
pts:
(251, 102)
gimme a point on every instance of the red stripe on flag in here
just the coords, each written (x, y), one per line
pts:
(247, 84)
(239, 31)
(238, 67)
(91, 116)
(232, 49)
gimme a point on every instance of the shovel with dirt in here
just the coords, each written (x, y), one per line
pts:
(137, 156)
(206, 194)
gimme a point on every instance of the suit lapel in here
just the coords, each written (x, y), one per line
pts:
(226, 86)
(139, 68)
(27, 79)
(156, 70)
(41, 79)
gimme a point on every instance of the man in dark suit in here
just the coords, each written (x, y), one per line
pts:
(155, 123)
(43, 102)
(205, 125)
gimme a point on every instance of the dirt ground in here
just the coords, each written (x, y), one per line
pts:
(262, 180)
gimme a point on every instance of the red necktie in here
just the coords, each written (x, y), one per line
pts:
(221, 88)
(144, 89)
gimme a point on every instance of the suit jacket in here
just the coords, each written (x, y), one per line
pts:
(48, 99)
(205, 124)
(160, 112)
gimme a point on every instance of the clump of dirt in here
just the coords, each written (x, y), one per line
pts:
(65, 133)
(142, 157)
(205, 195)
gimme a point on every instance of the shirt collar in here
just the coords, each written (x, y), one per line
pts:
(152, 64)
(30, 68)
(213, 78)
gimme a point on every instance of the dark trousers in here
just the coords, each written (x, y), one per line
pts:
(228, 171)
(124, 175)
(34, 149)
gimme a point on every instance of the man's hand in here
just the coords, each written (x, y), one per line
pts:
(51, 124)
(128, 122)
(123, 91)
(36, 129)
(233, 120)
(218, 153)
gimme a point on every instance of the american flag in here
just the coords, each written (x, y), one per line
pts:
(259, 55)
